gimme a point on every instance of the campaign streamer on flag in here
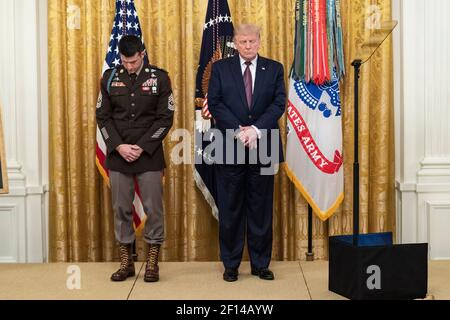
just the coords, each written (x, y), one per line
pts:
(314, 160)
(126, 22)
(217, 43)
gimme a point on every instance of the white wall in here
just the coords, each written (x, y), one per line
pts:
(422, 104)
(23, 96)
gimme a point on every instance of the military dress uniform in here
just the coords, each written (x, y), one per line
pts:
(139, 112)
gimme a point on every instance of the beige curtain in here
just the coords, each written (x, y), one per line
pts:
(81, 218)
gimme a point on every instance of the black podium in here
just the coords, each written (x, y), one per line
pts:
(370, 266)
(375, 268)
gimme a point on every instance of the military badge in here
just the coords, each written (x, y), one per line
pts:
(118, 84)
(150, 83)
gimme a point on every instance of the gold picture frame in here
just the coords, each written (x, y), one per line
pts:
(4, 187)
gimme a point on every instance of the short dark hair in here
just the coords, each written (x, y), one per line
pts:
(129, 45)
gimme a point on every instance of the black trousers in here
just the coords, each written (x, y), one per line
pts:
(245, 202)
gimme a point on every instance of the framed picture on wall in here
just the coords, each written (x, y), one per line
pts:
(3, 169)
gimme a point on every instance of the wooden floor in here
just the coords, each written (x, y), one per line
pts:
(183, 281)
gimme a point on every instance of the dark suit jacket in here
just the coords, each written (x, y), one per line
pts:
(228, 104)
(140, 114)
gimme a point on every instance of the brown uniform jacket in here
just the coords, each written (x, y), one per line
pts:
(139, 114)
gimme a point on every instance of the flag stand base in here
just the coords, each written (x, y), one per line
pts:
(375, 268)
(370, 266)
(309, 256)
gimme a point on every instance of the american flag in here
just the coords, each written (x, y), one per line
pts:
(217, 43)
(126, 22)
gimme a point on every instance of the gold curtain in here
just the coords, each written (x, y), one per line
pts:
(81, 218)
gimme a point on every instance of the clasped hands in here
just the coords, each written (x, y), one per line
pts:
(130, 152)
(248, 136)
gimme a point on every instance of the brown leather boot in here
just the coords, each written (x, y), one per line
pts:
(126, 264)
(152, 269)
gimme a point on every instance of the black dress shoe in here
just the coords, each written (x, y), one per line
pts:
(230, 275)
(263, 273)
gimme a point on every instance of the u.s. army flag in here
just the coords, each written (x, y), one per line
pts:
(314, 145)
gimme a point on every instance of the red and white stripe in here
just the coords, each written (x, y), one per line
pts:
(205, 110)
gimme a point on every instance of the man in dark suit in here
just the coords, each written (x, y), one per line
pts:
(247, 95)
(135, 115)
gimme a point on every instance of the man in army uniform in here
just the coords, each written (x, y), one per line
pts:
(135, 115)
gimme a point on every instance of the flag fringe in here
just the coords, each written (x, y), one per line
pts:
(102, 171)
(208, 196)
(323, 215)
(140, 228)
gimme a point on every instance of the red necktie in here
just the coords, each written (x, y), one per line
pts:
(248, 84)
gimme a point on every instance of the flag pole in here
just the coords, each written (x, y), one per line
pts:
(310, 253)
(380, 34)
(135, 256)
(357, 66)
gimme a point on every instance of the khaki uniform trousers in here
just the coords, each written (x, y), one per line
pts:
(122, 193)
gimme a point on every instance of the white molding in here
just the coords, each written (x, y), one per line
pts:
(35, 190)
(437, 69)
(408, 217)
(9, 243)
(437, 229)
(434, 175)
(7, 78)
(434, 188)
(16, 180)
(405, 187)
(436, 163)
(17, 228)
(44, 116)
(422, 115)
(24, 96)
(412, 88)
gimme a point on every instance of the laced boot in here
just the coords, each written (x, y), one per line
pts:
(152, 269)
(126, 264)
